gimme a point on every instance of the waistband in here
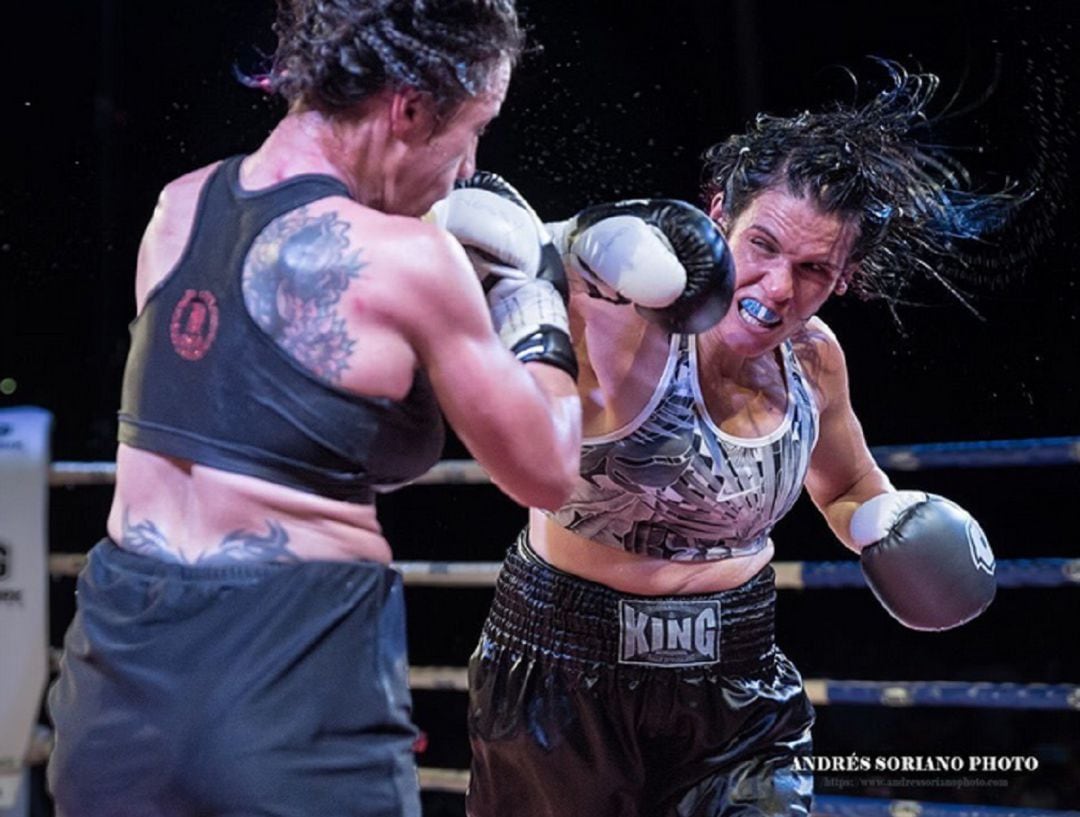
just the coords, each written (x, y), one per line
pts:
(539, 610)
(111, 556)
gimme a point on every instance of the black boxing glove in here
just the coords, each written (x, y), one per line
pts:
(666, 257)
(926, 559)
(519, 267)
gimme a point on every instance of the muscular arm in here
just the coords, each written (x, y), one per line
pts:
(925, 558)
(843, 473)
(522, 423)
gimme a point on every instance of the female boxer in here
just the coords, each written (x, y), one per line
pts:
(628, 665)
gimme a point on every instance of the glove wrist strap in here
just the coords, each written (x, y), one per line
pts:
(550, 345)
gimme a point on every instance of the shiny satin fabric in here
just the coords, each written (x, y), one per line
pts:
(561, 725)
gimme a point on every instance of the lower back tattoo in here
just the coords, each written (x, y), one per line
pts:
(146, 538)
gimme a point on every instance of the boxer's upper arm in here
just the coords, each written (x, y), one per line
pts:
(504, 416)
(842, 473)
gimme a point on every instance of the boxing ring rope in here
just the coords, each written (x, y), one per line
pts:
(826, 691)
(1011, 573)
(1034, 452)
(1056, 572)
(835, 805)
(455, 781)
(823, 691)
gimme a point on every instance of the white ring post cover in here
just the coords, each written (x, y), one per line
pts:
(24, 623)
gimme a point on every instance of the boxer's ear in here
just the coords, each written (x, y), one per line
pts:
(716, 212)
(843, 283)
(412, 113)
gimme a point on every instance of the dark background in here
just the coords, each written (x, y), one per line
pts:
(105, 100)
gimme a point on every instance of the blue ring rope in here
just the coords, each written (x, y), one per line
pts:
(979, 454)
(1010, 573)
(831, 805)
(1062, 697)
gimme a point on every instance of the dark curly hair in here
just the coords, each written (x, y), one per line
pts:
(910, 199)
(333, 54)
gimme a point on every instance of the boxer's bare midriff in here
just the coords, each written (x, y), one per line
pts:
(180, 511)
(636, 574)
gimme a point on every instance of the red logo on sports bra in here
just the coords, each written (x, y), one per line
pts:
(194, 324)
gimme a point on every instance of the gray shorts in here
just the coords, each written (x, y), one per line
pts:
(249, 689)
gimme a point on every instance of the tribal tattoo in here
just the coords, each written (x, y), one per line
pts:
(146, 538)
(242, 546)
(294, 276)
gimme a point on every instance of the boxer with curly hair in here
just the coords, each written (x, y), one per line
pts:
(628, 665)
(239, 643)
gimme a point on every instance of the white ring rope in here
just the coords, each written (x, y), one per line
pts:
(967, 454)
(445, 472)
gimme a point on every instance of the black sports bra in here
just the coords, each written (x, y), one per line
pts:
(205, 383)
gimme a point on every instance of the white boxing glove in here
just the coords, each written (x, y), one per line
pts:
(505, 232)
(666, 257)
(519, 268)
(625, 258)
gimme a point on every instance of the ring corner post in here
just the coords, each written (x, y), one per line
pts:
(25, 436)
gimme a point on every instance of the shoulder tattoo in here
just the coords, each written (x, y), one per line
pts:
(294, 276)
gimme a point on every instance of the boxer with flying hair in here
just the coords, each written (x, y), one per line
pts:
(628, 665)
(239, 643)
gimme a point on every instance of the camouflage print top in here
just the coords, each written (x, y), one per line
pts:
(672, 484)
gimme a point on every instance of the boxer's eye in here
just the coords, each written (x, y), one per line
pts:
(814, 268)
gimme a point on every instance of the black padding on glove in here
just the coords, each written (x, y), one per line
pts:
(700, 248)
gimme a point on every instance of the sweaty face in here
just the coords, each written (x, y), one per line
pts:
(789, 257)
(449, 153)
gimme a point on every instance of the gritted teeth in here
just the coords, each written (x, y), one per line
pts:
(755, 311)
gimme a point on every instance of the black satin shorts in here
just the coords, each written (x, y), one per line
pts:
(587, 702)
(233, 691)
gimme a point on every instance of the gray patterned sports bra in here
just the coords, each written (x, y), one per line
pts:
(671, 484)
